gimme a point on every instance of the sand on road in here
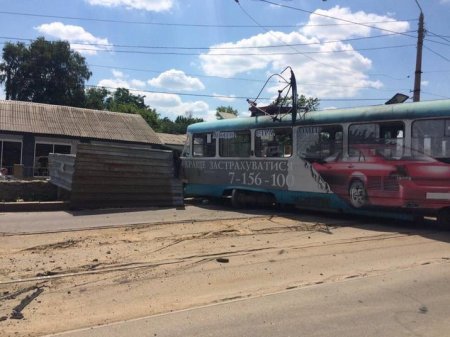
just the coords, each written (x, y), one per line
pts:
(76, 279)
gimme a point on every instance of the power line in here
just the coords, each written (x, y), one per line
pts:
(249, 54)
(209, 48)
(297, 52)
(225, 96)
(365, 24)
(436, 95)
(188, 74)
(272, 34)
(246, 79)
(445, 38)
(437, 71)
(335, 18)
(172, 24)
(303, 54)
(436, 53)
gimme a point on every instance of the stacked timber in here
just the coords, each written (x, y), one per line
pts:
(104, 176)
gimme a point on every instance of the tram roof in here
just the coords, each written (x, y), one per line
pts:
(415, 110)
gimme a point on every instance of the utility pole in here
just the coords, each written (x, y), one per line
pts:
(418, 73)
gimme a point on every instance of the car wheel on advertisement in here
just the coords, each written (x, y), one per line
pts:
(357, 194)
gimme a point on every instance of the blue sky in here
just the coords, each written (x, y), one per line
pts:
(190, 56)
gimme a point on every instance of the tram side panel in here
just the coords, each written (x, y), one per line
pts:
(291, 180)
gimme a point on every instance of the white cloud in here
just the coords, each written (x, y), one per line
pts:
(176, 80)
(137, 83)
(170, 105)
(147, 5)
(167, 105)
(317, 25)
(341, 71)
(225, 98)
(425, 83)
(118, 73)
(114, 83)
(79, 39)
(120, 81)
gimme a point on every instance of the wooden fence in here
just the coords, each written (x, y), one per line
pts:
(102, 176)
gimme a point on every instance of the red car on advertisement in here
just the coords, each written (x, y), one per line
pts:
(390, 176)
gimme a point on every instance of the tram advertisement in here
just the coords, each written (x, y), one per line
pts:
(284, 174)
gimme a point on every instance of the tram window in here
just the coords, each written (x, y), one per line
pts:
(432, 137)
(234, 144)
(204, 145)
(320, 143)
(363, 134)
(186, 148)
(388, 137)
(374, 133)
(273, 143)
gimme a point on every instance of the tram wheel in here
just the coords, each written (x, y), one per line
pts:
(443, 219)
(358, 194)
(236, 199)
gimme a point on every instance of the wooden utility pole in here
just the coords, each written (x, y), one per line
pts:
(418, 73)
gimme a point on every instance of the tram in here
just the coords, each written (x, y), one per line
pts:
(391, 160)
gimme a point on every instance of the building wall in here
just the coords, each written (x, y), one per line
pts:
(29, 146)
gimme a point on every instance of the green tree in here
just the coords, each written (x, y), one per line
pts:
(304, 103)
(226, 109)
(179, 126)
(182, 122)
(96, 98)
(166, 125)
(122, 100)
(308, 103)
(44, 72)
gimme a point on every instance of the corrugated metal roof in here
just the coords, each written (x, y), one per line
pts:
(226, 115)
(75, 122)
(170, 139)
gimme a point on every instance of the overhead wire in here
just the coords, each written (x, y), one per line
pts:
(356, 23)
(225, 96)
(297, 52)
(345, 22)
(246, 79)
(325, 64)
(272, 34)
(171, 24)
(209, 48)
(435, 95)
(335, 18)
(445, 38)
(436, 53)
(305, 53)
(364, 24)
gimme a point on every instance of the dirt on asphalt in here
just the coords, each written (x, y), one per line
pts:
(55, 282)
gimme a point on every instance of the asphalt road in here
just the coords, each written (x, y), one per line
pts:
(414, 302)
(34, 222)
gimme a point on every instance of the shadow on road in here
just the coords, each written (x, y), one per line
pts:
(426, 227)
